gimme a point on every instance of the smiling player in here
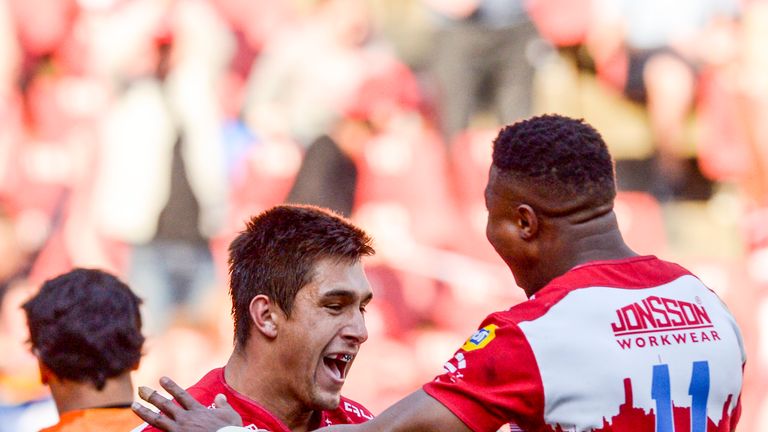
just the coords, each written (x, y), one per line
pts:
(298, 298)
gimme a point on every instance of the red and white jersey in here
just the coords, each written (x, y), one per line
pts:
(257, 418)
(634, 345)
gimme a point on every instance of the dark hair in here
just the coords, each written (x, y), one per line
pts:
(85, 325)
(277, 252)
(566, 156)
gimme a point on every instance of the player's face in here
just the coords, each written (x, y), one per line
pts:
(324, 332)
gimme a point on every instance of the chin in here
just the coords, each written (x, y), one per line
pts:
(327, 401)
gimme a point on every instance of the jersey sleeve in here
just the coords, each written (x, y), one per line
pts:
(492, 379)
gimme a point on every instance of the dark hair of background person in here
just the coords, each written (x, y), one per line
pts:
(277, 252)
(565, 156)
(85, 325)
(327, 178)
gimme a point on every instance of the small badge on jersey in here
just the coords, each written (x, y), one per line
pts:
(481, 338)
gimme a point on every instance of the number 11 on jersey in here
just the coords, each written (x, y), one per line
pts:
(698, 390)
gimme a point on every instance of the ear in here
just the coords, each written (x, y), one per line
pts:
(46, 375)
(262, 312)
(527, 222)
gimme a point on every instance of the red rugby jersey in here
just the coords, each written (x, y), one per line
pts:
(633, 345)
(256, 417)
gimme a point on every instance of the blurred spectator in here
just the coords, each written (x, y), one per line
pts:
(162, 187)
(50, 148)
(481, 54)
(328, 174)
(253, 23)
(306, 74)
(753, 90)
(656, 59)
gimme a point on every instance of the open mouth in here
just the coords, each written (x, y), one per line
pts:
(338, 364)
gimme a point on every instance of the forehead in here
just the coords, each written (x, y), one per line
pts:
(339, 277)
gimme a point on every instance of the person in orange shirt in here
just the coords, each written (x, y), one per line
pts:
(85, 330)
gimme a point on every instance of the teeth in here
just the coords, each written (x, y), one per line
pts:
(344, 357)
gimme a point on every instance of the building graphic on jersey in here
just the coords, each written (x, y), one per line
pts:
(670, 418)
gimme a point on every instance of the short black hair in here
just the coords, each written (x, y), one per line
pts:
(566, 156)
(85, 325)
(277, 252)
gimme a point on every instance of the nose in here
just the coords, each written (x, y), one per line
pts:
(355, 331)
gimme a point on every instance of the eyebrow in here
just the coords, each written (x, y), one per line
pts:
(345, 293)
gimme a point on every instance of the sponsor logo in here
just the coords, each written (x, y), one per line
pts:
(481, 338)
(658, 321)
(642, 341)
(355, 410)
(658, 313)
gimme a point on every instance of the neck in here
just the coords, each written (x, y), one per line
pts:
(579, 242)
(597, 240)
(75, 396)
(253, 376)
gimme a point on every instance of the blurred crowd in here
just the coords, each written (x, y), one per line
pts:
(137, 136)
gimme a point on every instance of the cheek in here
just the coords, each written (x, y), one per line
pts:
(496, 233)
(502, 236)
(489, 231)
(317, 335)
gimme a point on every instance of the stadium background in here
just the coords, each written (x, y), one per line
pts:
(138, 135)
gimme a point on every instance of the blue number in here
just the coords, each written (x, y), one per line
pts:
(660, 392)
(698, 390)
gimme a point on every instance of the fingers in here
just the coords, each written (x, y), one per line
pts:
(166, 406)
(179, 394)
(152, 418)
(226, 412)
(221, 401)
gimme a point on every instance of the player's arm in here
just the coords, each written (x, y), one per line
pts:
(417, 412)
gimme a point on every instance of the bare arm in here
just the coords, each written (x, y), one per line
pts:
(417, 412)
